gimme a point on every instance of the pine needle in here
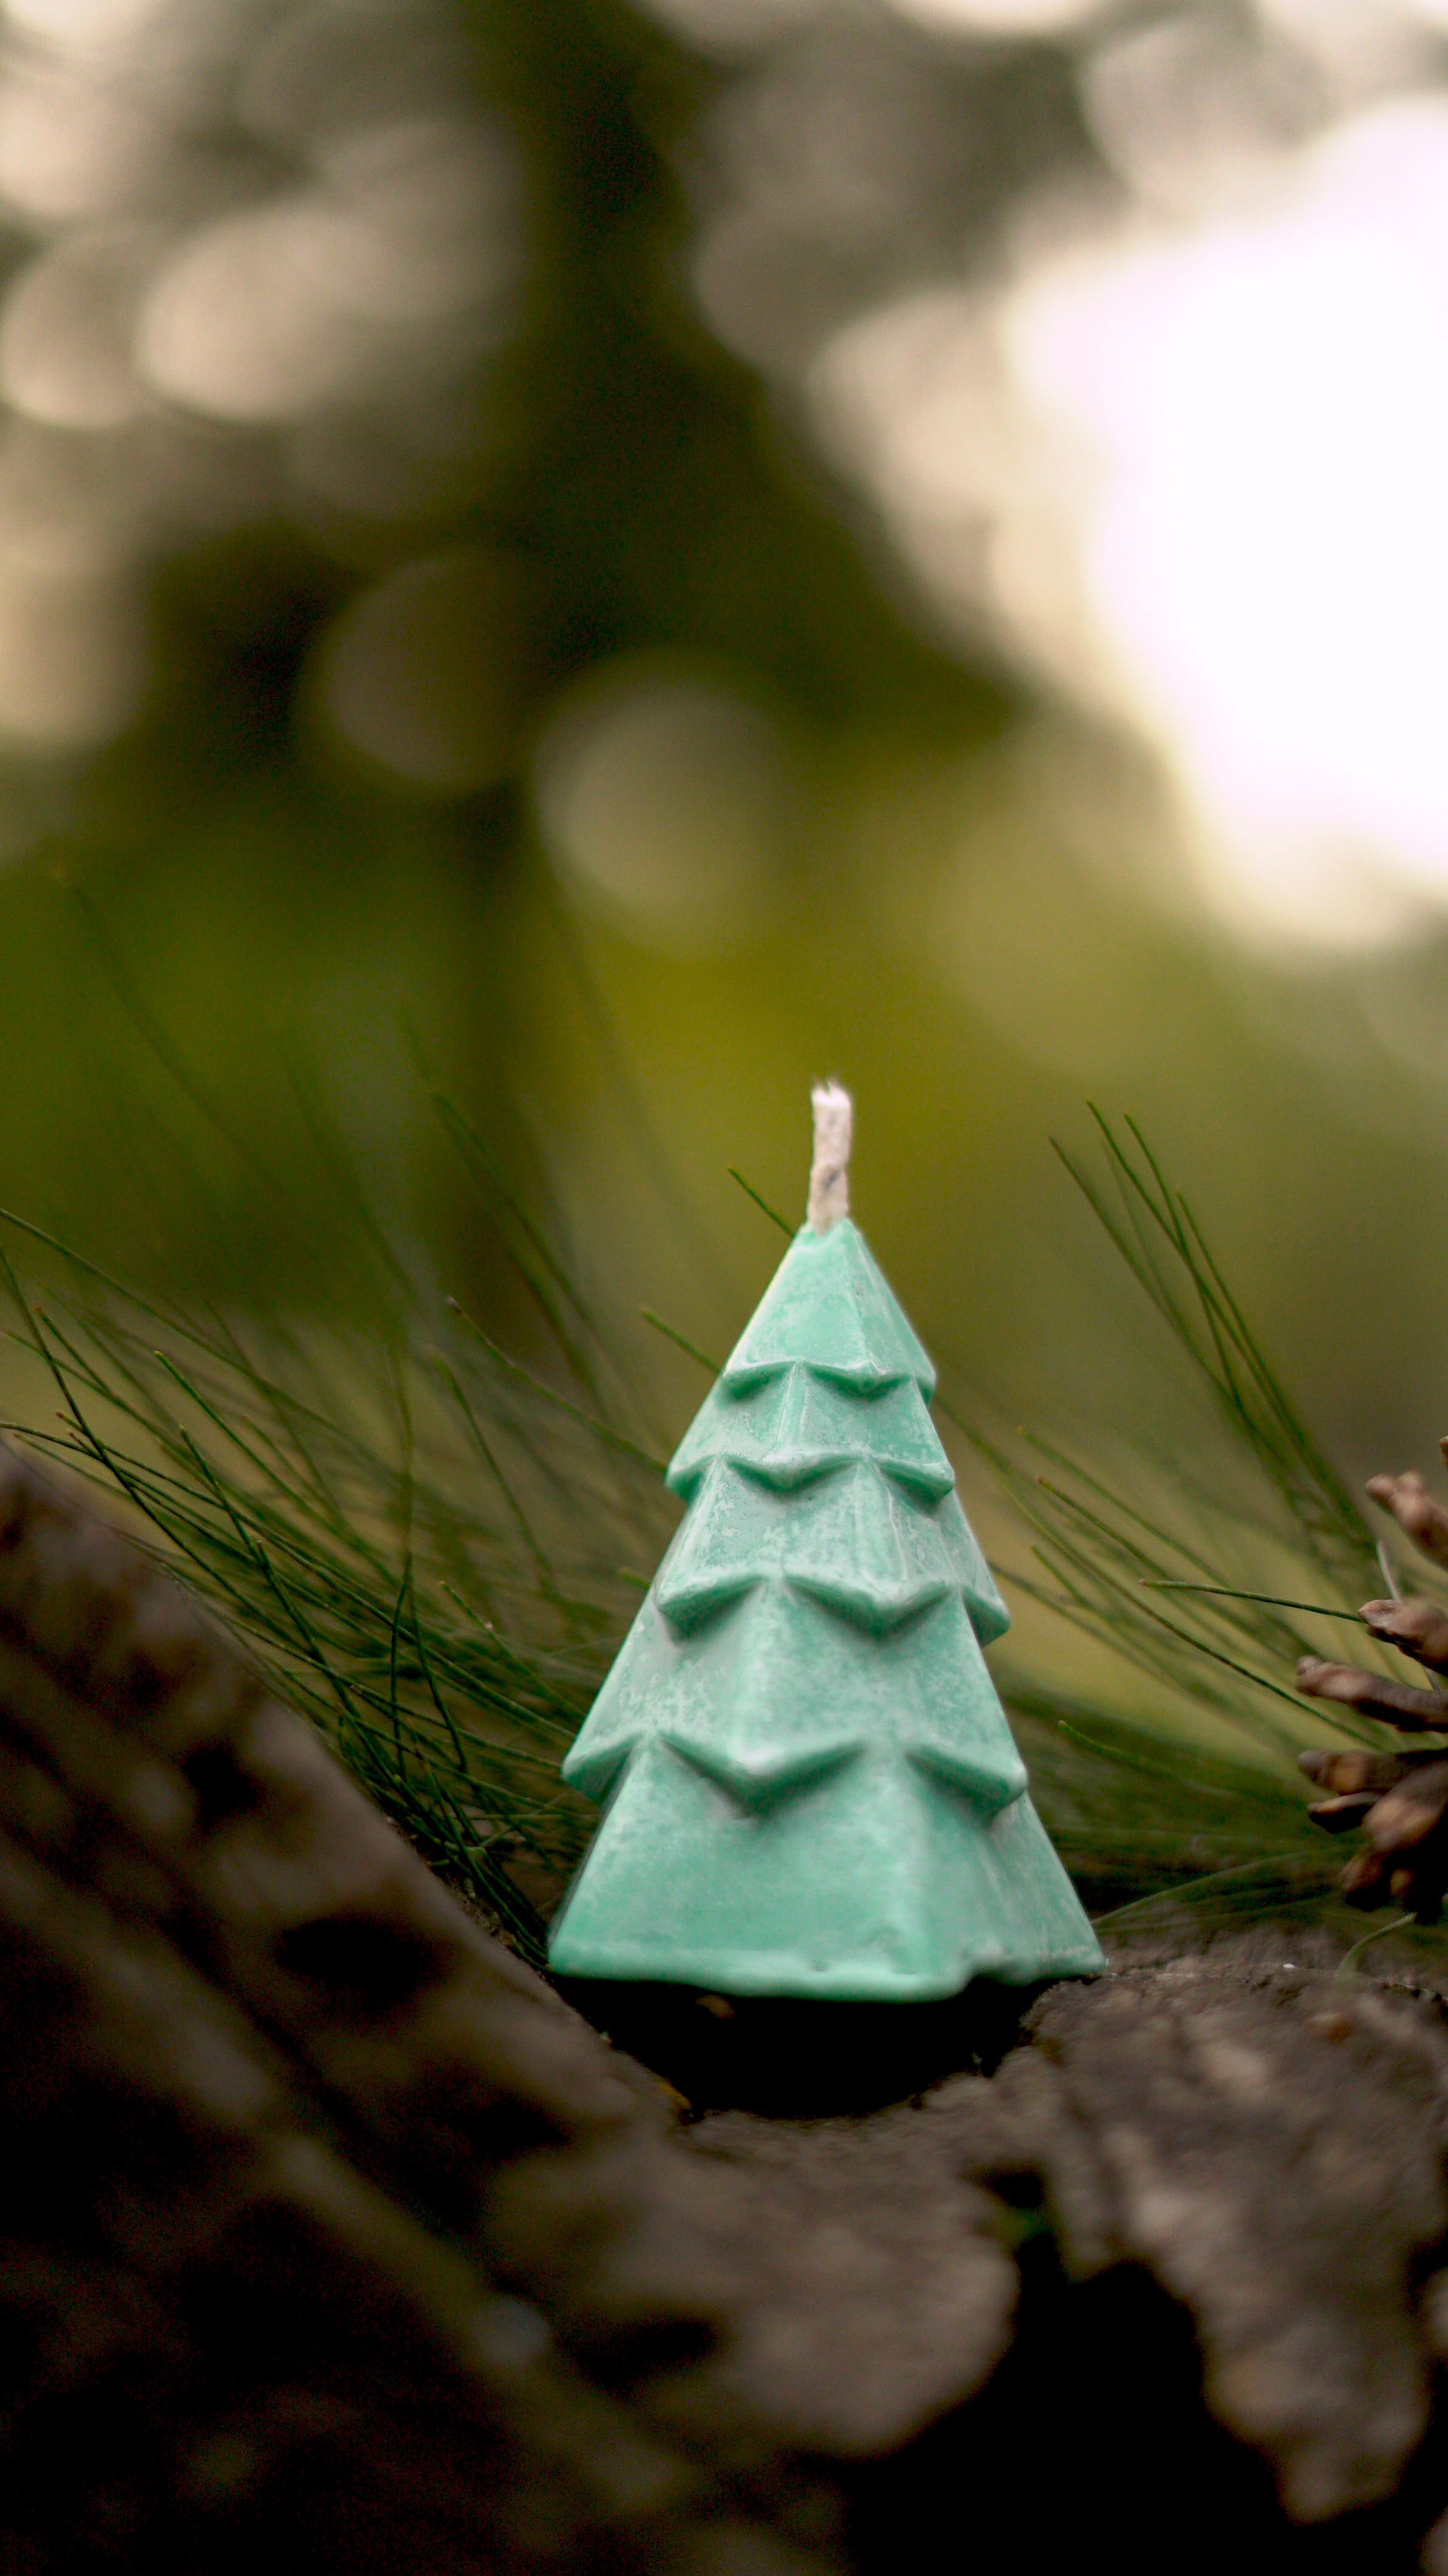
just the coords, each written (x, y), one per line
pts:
(714, 1367)
(1221, 1664)
(773, 1214)
(1228, 1592)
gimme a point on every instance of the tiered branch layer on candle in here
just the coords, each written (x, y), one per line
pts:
(811, 1785)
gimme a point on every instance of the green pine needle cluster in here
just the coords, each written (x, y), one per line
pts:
(434, 1551)
(1211, 1584)
(424, 1545)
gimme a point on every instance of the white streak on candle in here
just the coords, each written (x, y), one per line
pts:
(829, 1182)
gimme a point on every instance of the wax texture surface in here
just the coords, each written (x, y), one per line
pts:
(809, 1782)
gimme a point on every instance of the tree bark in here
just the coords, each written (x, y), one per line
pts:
(332, 2232)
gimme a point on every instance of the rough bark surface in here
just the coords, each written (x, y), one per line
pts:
(330, 2230)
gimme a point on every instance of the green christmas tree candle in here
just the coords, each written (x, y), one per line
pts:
(810, 1785)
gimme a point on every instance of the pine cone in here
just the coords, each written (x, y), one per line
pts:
(1399, 1800)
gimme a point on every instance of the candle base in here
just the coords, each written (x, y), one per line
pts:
(794, 2058)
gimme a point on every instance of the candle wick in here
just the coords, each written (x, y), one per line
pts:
(829, 1181)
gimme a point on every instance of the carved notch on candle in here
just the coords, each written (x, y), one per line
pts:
(829, 1179)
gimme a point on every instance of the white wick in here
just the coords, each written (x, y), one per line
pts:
(829, 1179)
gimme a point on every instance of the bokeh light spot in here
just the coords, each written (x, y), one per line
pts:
(667, 798)
(66, 329)
(1193, 471)
(393, 273)
(71, 150)
(422, 673)
(998, 17)
(73, 651)
(732, 26)
(1265, 549)
(83, 23)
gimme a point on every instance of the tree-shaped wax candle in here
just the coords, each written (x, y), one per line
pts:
(811, 1787)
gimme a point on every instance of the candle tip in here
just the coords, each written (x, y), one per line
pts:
(829, 1183)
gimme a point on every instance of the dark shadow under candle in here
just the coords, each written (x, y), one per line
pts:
(799, 2059)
